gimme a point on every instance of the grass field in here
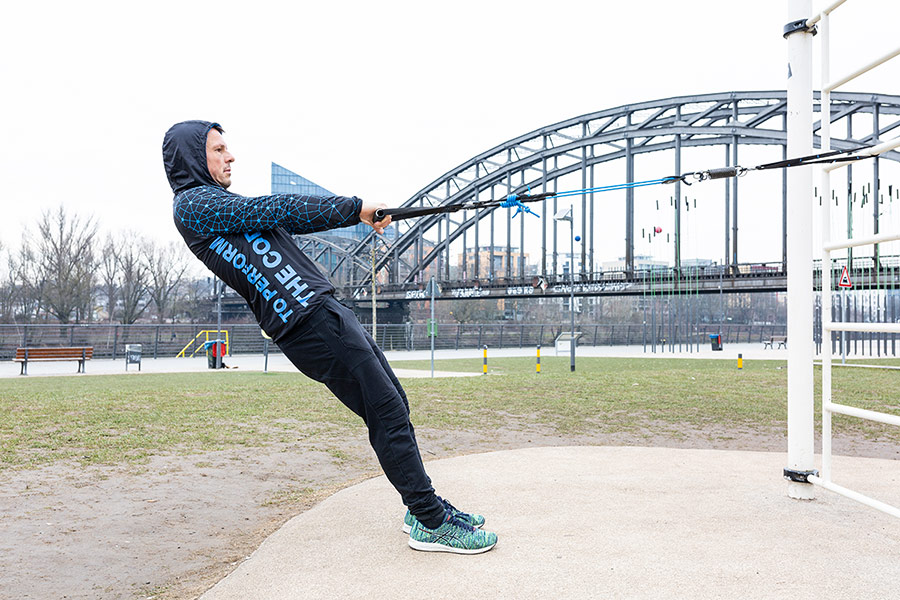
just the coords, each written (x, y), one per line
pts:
(117, 419)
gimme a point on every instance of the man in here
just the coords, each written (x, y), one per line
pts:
(247, 243)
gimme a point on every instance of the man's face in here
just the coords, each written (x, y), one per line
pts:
(218, 158)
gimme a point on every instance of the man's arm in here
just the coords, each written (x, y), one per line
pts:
(367, 215)
(209, 210)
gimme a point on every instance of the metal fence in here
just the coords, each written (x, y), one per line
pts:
(109, 341)
(506, 335)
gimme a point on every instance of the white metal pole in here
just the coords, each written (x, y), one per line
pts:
(825, 187)
(825, 12)
(879, 238)
(878, 327)
(875, 63)
(886, 508)
(572, 290)
(862, 413)
(876, 150)
(843, 319)
(801, 448)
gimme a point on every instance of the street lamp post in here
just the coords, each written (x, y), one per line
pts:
(435, 290)
(566, 215)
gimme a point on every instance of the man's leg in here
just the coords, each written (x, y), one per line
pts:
(396, 382)
(331, 347)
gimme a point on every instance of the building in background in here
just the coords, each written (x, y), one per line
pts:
(493, 263)
(332, 249)
(641, 263)
(285, 181)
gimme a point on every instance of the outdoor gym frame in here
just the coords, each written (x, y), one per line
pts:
(800, 470)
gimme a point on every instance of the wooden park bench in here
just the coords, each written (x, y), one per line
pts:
(26, 355)
(781, 340)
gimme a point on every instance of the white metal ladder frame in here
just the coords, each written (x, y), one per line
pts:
(828, 325)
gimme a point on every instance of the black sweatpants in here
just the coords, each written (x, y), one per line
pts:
(332, 347)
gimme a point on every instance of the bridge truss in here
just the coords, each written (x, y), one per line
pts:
(569, 155)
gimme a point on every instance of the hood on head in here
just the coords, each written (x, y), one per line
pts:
(184, 154)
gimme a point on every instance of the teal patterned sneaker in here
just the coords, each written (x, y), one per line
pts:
(471, 519)
(453, 535)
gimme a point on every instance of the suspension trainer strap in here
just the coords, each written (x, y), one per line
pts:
(398, 214)
(834, 156)
(815, 159)
(619, 186)
(516, 200)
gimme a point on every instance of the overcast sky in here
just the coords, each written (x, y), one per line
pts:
(374, 99)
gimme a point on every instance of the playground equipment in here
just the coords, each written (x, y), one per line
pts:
(198, 343)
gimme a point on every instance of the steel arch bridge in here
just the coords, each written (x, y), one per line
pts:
(538, 160)
(334, 255)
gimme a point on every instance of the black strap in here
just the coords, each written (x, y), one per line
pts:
(814, 159)
(834, 156)
(398, 214)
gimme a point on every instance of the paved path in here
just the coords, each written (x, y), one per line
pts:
(596, 522)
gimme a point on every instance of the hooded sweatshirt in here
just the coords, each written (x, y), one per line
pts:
(247, 242)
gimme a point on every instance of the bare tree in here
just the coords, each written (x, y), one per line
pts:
(193, 299)
(7, 293)
(83, 291)
(134, 281)
(474, 311)
(108, 273)
(166, 266)
(64, 255)
(28, 283)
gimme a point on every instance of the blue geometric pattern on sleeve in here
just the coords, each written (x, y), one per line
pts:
(212, 210)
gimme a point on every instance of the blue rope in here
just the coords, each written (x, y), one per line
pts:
(610, 188)
(513, 201)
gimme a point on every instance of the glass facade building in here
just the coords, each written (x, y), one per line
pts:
(288, 182)
(285, 181)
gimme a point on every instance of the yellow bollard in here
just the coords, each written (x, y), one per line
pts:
(740, 361)
(538, 367)
(485, 361)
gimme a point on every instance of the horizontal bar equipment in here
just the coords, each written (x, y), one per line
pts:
(870, 502)
(862, 327)
(824, 13)
(873, 151)
(847, 78)
(862, 413)
(863, 241)
(855, 366)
